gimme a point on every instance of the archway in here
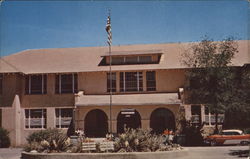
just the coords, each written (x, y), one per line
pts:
(128, 118)
(96, 123)
(162, 119)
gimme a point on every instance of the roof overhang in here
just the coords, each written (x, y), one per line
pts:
(129, 99)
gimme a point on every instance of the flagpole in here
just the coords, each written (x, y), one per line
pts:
(110, 72)
(110, 91)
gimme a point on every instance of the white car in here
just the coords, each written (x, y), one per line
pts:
(228, 137)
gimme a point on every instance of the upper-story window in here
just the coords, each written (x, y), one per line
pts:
(66, 83)
(151, 82)
(126, 60)
(36, 84)
(1, 84)
(131, 81)
(113, 82)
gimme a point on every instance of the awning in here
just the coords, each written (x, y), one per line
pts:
(128, 99)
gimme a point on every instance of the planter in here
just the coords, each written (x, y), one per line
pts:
(131, 155)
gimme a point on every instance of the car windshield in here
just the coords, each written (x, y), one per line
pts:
(230, 133)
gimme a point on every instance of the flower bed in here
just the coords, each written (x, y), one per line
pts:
(132, 140)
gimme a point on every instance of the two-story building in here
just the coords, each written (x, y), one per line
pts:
(46, 88)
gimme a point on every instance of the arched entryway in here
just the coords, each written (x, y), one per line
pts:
(96, 123)
(128, 118)
(162, 119)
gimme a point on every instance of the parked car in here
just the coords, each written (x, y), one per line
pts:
(228, 137)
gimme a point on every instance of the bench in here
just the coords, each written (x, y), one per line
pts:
(88, 146)
(104, 146)
(107, 146)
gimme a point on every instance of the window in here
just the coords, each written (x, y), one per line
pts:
(113, 77)
(145, 59)
(66, 83)
(130, 81)
(35, 118)
(36, 84)
(131, 60)
(196, 114)
(63, 117)
(1, 84)
(117, 60)
(126, 60)
(151, 82)
(210, 117)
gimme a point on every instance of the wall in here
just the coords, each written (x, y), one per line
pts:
(92, 82)
(169, 80)
(144, 111)
(96, 82)
(11, 87)
(46, 100)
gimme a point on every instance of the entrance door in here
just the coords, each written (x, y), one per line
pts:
(96, 123)
(132, 119)
(162, 119)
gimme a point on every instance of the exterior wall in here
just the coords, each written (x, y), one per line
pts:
(11, 87)
(144, 111)
(96, 82)
(16, 124)
(46, 100)
(169, 80)
(92, 82)
(13, 110)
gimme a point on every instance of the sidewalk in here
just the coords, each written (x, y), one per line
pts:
(10, 153)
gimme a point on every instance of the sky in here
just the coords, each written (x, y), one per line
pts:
(65, 24)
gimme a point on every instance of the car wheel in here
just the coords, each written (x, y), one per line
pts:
(213, 143)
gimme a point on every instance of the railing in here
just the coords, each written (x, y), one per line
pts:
(210, 119)
(65, 121)
(34, 122)
(195, 119)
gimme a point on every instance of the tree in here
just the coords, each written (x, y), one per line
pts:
(239, 106)
(209, 79)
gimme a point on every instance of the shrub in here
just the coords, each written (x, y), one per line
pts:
(41, 135)
(4, 138)
(50, 140)
(193, 134)
(246, 130)
(138, 140)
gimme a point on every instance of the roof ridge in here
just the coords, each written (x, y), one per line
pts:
(11, 65)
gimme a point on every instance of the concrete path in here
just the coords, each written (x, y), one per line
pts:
(217, 152)
(10, 153)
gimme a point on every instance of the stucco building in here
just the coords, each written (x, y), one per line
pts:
(46, 88)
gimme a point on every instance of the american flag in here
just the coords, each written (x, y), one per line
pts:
(108, 29)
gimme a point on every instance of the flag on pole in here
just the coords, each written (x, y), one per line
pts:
(108, 29)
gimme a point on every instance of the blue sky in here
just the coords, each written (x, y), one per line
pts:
(61, 24)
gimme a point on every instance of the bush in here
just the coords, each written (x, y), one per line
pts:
(193, 134)
(138, 140)
(41, 135)
(246, 130)
(50, 140)
(4, 138)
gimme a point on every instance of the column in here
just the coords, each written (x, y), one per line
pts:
(51, 118)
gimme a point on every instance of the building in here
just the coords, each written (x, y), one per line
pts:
(46, 88)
